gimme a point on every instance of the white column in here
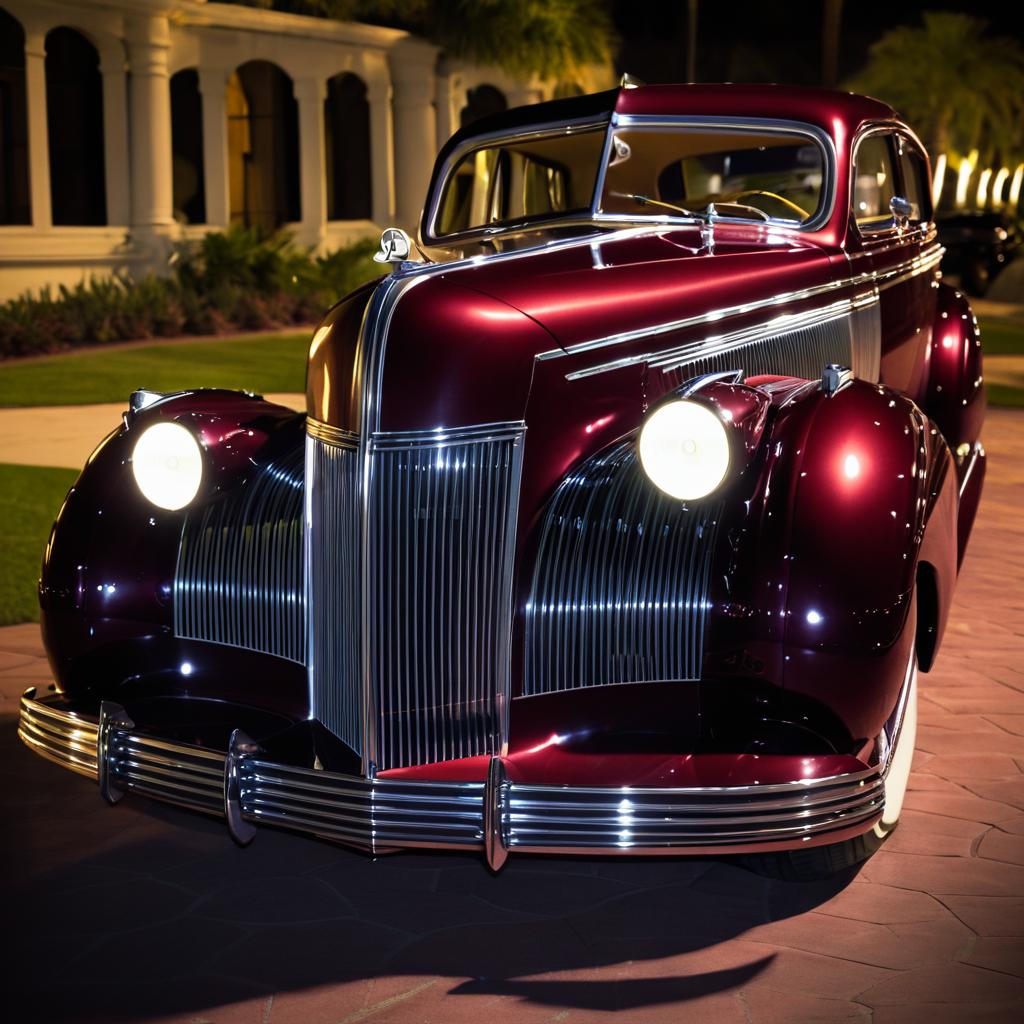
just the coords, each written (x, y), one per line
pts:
(152, 198)
(450, 88)
(115, 135)
(38, 133)
(382, 153)
(310, 94)
(413, 67)
(213, 84)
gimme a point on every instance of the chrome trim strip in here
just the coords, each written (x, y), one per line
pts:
(670, 359)
(335, 436)
(444, 437)
(919, 264)
(977, 452)
(497, 816)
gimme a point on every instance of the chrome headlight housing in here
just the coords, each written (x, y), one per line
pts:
(167, 463)
(684, 449)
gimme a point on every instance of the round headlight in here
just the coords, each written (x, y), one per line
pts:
(684, 449)
(168, 465)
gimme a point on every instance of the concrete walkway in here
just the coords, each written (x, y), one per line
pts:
(65, 435)
(143, 912)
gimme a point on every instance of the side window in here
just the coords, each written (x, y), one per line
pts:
(914, 171)
(874, 183)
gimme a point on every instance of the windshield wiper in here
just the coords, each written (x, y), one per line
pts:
(649, 201)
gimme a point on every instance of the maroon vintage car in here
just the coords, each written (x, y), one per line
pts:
(621, 520)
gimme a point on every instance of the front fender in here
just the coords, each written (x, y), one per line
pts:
(820, 581)
(106, 586)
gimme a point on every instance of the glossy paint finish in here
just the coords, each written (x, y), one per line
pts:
(106, 589)
(838, 506)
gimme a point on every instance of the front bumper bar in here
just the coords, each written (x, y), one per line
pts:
(498, 816)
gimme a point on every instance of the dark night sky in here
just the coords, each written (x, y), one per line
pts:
(753, 41)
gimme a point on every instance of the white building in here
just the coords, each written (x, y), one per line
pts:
(130, 124)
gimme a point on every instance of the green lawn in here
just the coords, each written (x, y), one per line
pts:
(30, 497)
(265, 363)
(1002, 337)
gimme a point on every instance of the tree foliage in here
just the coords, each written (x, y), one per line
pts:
(550, 38)
(960, 87)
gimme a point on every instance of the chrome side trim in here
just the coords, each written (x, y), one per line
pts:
(876, 281)
(715, 345)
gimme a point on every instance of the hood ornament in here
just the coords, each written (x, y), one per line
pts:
(395, 246)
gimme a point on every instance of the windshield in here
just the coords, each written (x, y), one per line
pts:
(683, 170)
(512, 181)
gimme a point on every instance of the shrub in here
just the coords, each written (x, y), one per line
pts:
(231, 280)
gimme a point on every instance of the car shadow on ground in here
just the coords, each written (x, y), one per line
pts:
(143, 910)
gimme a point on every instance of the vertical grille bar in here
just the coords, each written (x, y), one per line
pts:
(620, 584)
(333, 564)
(239, 578)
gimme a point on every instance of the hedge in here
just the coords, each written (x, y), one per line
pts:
(232, 280)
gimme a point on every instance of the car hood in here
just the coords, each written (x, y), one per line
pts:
(612, 282)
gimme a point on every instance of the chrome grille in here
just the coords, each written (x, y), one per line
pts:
(435, 609)
(334, 538)
(239, 578)
(620, 583)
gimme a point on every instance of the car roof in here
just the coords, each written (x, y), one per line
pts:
(837, 113)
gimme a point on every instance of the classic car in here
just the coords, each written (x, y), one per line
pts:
(627, 508)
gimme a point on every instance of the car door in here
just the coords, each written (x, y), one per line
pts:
(885, 251)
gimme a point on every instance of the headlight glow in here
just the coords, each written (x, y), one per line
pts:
(168, 465)
(684, 449)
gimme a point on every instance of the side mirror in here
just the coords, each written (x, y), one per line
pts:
(901, 211)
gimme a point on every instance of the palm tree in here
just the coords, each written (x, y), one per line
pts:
(554, 39)
(962, 89)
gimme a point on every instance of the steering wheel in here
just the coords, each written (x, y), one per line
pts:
(771, 195)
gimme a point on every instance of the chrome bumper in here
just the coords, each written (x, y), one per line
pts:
(499, 816)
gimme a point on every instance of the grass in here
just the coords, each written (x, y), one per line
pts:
(30, 497)
(1002, 337)
(265, 363)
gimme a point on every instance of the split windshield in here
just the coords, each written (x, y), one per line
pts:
(679, 171)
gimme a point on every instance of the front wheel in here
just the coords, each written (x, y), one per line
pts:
(819, 862)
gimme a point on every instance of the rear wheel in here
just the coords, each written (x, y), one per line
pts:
(819, 862)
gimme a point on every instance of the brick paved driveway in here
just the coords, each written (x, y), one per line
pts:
(142, 912)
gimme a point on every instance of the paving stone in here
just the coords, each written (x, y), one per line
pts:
(989, 915)
(996, 845)
(951, 983)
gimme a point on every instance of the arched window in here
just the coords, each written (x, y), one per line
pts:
(15, 201)
(187, 147)
(263, 146)
(480, 102)
(347, 137)
(74, 116)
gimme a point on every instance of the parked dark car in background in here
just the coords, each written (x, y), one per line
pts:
(979, 245)
(622, 524)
